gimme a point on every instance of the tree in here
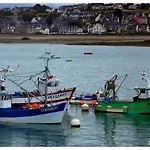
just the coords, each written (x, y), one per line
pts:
(27, 17)
(37, 7)
(75, 22)
(5, 15)
(148, 21)
(49, 20)
(145, 6)
(54, 29)
(118, 12)
(51, 17)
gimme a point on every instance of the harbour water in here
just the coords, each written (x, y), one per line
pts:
(88, 73)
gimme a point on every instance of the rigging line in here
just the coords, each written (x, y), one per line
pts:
(37, 88)
(121, 77)
(23, 88)
(30, 77)
(121, 83)
(25, 73)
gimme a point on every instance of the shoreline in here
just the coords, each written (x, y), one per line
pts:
(111, 40)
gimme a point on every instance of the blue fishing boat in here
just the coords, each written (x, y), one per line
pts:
(31, 112)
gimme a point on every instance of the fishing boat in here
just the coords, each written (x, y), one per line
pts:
(39, 111)
(68, 60)
(54, 93)
(88, 53)
(86, 98)
(139, 104)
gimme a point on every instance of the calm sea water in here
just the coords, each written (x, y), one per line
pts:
(88, 74)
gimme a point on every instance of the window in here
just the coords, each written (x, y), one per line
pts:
(49, 84)
(143, 91)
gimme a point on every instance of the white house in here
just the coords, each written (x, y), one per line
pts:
(33, 20)
(79, 31)
(97, 29)
(45, 31)
(133, 7)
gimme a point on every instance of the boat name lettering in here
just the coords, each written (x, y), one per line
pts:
(56, 96)
(49, 109)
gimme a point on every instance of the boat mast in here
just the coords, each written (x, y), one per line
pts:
(121, 83)
(46, 74)
(47, 57)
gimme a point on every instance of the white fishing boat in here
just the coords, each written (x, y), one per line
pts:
(54, 93)
(33, 107)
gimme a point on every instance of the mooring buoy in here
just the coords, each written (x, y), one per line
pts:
(75, 122)
(85, 107)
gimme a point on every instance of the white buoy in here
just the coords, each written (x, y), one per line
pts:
(85, 107)
(75, 122)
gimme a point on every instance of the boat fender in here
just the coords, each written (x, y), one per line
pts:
(82, 102)
(93, 103)
(107, 101)
(27, 106)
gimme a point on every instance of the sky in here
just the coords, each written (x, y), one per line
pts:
(57, 3)
(11, 5)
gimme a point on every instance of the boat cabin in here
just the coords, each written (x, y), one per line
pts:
(141, 94)
(5, 100)
(52, 86)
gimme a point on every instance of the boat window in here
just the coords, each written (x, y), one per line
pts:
(2, 88)
(49, 84)
(50, 97)
(43, 79)
(143, 91)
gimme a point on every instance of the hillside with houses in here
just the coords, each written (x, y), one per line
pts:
(93, 18)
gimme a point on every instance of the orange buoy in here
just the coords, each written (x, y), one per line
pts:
(34, 105)
(93, 103)
(81, 102)
(28, 106)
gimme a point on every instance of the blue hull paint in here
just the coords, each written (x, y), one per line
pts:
(13, 113)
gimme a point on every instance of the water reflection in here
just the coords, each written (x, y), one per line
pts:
(125, 130)
(32, 135)
(109, 125)
(141, 125)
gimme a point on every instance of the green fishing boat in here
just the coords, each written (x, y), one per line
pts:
(140, 104)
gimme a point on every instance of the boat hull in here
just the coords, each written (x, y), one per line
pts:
(57, 97)
(50, 115)
(139, 107)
